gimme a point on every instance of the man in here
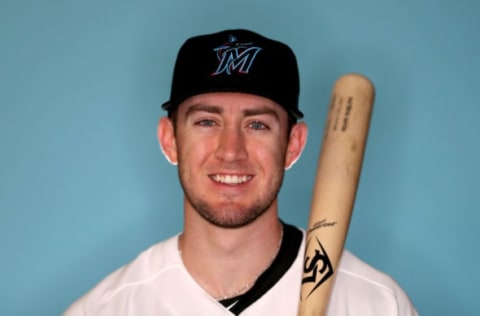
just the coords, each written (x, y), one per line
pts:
(232, 129)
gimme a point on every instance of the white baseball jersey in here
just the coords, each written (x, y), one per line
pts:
(157, 283)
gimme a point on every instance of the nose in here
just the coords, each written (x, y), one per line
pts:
(231, 145)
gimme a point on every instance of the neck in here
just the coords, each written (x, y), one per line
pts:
(227, 262)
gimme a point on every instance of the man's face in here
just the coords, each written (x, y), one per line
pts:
(231, 149)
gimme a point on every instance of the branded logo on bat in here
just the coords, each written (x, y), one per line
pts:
(317, 267)
(234, 56)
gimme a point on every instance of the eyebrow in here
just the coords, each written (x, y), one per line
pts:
(214, 109)
(261, 111)
(203, 108)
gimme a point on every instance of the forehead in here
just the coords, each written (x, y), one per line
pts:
(233, 102)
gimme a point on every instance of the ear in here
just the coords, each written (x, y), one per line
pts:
(166, 138)
(296, 143)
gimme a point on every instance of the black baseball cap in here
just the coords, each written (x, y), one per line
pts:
(236, 61)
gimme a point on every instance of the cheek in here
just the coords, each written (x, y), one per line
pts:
(270, 155)
(193, 149)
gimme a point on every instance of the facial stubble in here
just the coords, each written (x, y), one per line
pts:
(230, 214)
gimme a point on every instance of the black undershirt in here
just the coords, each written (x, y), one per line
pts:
(291, 241)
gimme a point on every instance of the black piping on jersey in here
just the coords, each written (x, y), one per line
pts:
(291, 241)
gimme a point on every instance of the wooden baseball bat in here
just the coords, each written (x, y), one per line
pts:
(336, 182)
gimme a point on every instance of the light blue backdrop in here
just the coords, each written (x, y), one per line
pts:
(84, 187)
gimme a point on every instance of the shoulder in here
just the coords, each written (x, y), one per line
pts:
(149, 265)
(367, 288)
(358, 286)
(355, 269)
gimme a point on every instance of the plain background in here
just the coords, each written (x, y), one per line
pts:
(84, 187)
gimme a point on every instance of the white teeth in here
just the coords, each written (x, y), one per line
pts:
(230, 179)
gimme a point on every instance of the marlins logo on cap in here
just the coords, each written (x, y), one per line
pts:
(235, 56)
(236, 61)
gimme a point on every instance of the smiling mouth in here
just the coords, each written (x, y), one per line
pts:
(230, 179)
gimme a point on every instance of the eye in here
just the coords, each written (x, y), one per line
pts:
(257, 125)
(206, 123)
